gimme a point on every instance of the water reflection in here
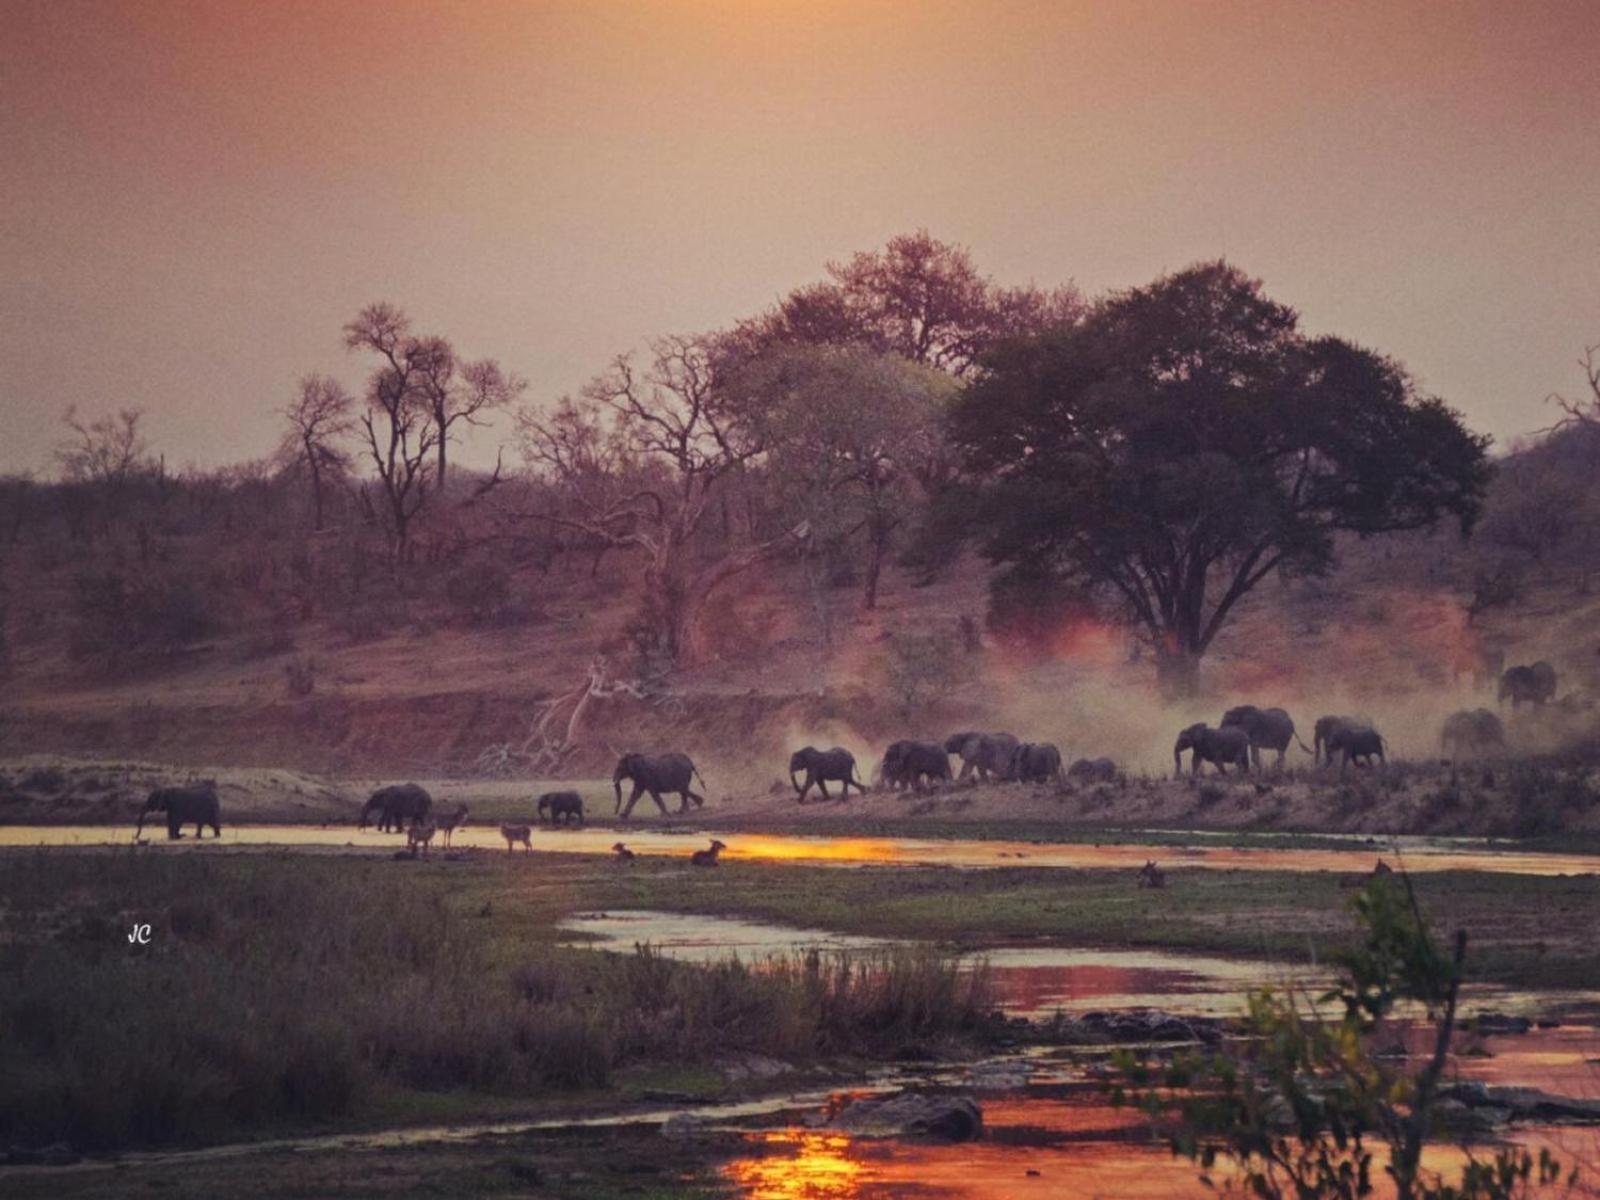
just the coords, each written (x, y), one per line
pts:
(790, 1164)
(1419, 854)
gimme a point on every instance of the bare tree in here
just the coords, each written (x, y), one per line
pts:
(321, 413)
(640, 456)
(110, 450)
(397, 423)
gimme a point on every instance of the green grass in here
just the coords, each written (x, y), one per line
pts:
(285, 991)
(298, 992)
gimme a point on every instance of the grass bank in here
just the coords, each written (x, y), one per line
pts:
(279, 993)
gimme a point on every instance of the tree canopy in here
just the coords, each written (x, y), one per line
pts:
(1186, 439)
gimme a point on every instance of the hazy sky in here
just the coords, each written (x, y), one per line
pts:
(195, 196)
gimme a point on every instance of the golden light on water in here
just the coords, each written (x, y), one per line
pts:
(804, 1166)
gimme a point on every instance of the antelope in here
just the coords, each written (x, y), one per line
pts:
(420, 835)
(624, 855)
(448, 825)
(1152, 876)
(517, 833)
(707, 857)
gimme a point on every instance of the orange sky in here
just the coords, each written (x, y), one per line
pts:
(194, 196)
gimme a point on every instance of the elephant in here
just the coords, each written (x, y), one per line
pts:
(1325, 728)
(196, 802)
(1216, 746)
(1354, 741)
(987, 754)
(1472, 732)
(820, 766)
(657, 773)
(397, 804)
(907, 764)
(1093, 770)
(1267, 728)
(561, 806)
(1535, 684)
(1035, 762)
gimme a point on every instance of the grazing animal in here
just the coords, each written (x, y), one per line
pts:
(624, 855)
(1267, 728)
(395, 805)
(1152, 876)
(1035, 762)
(195, 803)
(1216, 746)
(1093, 770)
(986, 754)
(516, 835)
(1472, 732)
(657, 773)
(561, 806)
(837, 764)
(1534, 684)
(420, 836)
(907, 764)
(708, 856)
(448, 825)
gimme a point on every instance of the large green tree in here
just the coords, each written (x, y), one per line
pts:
(1187, 439)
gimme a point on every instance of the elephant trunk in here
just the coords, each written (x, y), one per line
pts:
(616, 782)
(793, 782)
(1177, 759)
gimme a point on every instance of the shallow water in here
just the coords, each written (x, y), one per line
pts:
(1030, 981)
(1417, 854)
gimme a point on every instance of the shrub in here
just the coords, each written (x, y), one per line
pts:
(118, 619)
(478, 591)
(919, 666)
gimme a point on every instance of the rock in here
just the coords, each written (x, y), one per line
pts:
(1522, 1104)
(939, 1118)
(1140, 1025)
(1500, 1023)
(1004, 1076)
(682, 1125)
(753, 1066)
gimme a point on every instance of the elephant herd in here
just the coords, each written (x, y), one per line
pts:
(1247, 730)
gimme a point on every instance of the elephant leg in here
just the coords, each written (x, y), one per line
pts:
(806, 789)
(699, 800)
(661, 804)
(627, 811)
(822, 786)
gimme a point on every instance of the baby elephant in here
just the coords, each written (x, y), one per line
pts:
(517, 835)
(1219, 747)
(561, 807)
(1093, 770)
(707, 857)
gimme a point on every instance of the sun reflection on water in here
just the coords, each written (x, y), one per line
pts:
(799, 1166)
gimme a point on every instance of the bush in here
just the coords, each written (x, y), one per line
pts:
(118, 619)
(478, 591)
(919, 666)
(301, 676)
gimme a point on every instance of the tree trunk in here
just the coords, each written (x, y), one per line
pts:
(1177, 672)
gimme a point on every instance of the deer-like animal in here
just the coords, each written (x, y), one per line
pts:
(419, 836)
(514, 834)
(708, 856)
(1152, 876)
(448, 825)
(624, 855)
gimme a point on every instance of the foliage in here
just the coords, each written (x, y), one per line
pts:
(1186, 440)
(1299, 1103)
(121, 617)
(919, 666)
(298, 992)
(918, 298)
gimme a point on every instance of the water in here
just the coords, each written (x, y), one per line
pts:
(1417, 854)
